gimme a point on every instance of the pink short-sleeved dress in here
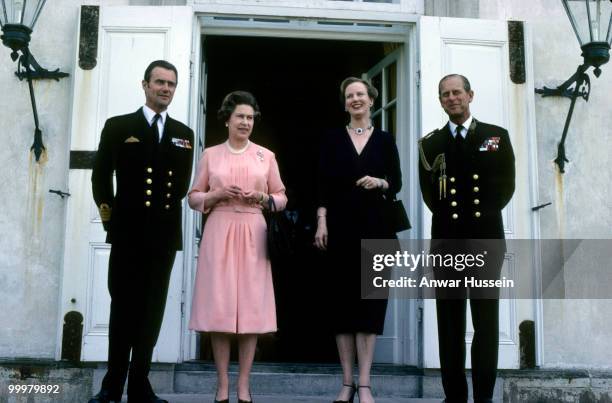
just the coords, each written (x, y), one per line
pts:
(233, 290)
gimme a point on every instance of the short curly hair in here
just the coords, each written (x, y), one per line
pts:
(232, 100)
(372, 91)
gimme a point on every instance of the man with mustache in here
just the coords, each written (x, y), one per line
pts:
(466, 174)
(151, 156)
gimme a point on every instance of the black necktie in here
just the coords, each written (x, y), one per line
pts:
(155, 127)
(458, 137)
(459, 140)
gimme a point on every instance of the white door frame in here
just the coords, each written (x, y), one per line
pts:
(401, 28)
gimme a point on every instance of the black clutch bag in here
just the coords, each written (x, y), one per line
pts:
(281, 235)
(399, 218)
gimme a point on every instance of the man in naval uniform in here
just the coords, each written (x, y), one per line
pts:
(151, 156)
(466, 173)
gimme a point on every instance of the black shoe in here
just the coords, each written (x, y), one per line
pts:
(150, 399)
(220, 401)
(246, 401)
(104, 397)
(352, 395)
(363, 386)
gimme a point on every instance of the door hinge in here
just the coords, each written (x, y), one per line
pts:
(420, 315)
(418, 78)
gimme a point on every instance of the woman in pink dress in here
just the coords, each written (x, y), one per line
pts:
(233, 292)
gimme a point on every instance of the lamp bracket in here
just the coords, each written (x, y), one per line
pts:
(37, 72)
(578, 85)
(568, 88)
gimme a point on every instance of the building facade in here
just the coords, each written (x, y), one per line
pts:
(290, 54)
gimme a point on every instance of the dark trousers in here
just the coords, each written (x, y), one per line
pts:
(138, 279)
(451, 339)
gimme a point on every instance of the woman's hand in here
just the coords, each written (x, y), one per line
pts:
(255, 197)
(370, 182)
(321, 235)
(229, 192)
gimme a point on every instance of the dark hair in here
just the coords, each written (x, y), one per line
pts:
(466, 83)
(232, 100)
(159, 63)
(372, 91)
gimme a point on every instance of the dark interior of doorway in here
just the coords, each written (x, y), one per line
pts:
(296, 83)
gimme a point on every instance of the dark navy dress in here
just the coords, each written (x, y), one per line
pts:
(354, 213)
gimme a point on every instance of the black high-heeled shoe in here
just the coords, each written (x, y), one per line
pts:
(221, 401)
(352, 395)
(363, 386)
(246, 401)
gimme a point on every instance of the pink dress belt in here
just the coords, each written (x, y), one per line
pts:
(238, 209)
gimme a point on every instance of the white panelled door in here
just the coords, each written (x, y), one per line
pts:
(384, 75)
(129, 39)
(478, 49)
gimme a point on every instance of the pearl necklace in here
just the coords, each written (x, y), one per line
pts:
(359, 130)
(237, 151)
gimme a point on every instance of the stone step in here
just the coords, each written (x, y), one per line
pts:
(314, 381)
(299, 380)
(200, 398)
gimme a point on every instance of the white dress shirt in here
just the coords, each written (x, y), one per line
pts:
(466, 125)
(150, 114)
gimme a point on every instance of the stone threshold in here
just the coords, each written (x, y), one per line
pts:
(77, 382)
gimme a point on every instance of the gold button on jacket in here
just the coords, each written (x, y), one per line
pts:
(467, 188)
(132, 176)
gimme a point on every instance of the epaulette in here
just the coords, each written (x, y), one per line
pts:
(437, 161)
(439, 164)
(428, 135)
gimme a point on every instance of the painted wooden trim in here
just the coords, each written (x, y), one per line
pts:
(406, 6)
(347, 13)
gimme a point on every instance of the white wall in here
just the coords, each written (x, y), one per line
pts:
(576, 332)
(32, 219)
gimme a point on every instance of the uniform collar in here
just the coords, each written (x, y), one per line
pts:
(150, 114)
(466, 125)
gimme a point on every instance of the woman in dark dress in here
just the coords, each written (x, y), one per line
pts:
(359, 173)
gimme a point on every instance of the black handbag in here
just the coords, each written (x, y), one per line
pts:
(281, 233)
(399, 218)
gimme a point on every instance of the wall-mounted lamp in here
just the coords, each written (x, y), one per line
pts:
(17, 19)
(592, 23)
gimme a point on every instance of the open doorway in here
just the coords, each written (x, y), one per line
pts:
(296, 83)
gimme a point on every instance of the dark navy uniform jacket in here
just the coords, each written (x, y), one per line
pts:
(466, 190)
(152, 178)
